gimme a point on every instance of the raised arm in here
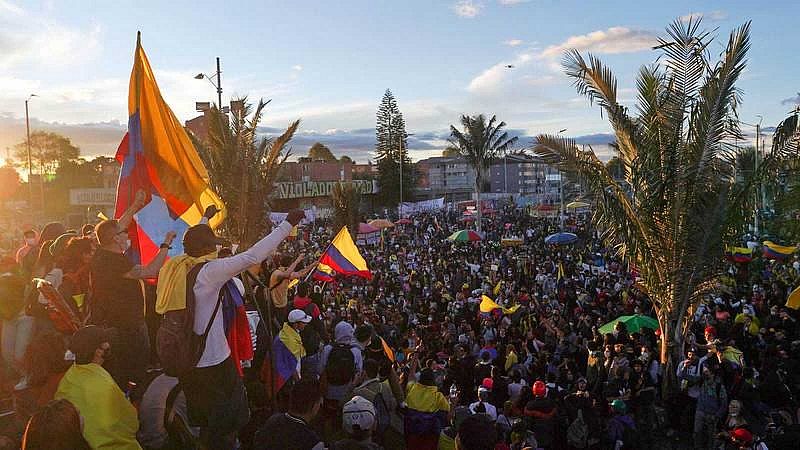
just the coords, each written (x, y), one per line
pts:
(138, 203)
(222, 270)
(150, 270)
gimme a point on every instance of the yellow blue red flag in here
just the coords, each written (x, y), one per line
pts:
(343, 257)
(158, 157)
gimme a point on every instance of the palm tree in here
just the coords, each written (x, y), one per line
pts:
(480, 143)
(678, 154)
(346, 199)
(244, 167)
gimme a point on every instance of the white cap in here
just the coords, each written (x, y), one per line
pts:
(297, 315)
(358, 412)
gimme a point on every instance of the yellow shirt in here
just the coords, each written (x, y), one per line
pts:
(428, 399)
(511, 359)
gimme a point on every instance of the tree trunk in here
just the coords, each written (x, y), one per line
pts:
(673, 337)
(478, 200)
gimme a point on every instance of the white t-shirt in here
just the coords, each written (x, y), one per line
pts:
(491, 411)
(210, 280)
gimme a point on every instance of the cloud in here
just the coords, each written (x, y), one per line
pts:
(52, 45)
(791, 101)
(513, 42)
(10, 8)
(512, 2)
(611, 41)
(712, 16)
(492, 79)
(297, 68)
(467, 8)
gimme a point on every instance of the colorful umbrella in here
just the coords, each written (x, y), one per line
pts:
(577, 205)
(561, 239)
(381, 223)
(365, 228)
(404, 221)
(632, 323)
(464, 236)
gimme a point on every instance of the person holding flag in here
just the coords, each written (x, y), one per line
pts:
(117, 299)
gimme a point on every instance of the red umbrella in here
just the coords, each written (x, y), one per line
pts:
(404, 221)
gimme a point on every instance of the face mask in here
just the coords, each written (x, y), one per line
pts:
(126, 244)
(30, 241)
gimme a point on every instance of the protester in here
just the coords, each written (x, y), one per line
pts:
(291, 430)
(117, 297)
(214, 390)
(57, 426)
(358, 421)
(109, 419)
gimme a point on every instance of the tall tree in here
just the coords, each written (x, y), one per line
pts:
(391, 153)
(678, 154)
(320, 151)
(48, 151)
(346, 200)
(786, 141)
(244, 167)
(480, 143)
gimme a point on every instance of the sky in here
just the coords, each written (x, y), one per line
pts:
(328, 63)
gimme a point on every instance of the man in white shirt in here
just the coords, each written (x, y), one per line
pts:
(215, 394)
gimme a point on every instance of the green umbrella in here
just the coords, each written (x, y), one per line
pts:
(464, 236)
(632, 323)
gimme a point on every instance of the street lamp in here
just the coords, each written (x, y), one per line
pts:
(217, 85)
(28, 145)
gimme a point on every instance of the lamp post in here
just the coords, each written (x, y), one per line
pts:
(28, 145)
(561, 192)
(217, 85)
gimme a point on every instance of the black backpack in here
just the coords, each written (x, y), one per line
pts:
(179, 347)
(341, 366)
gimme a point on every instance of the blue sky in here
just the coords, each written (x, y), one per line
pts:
(328, 62)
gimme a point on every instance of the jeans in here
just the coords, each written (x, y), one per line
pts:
(705, 427)
(17, 334)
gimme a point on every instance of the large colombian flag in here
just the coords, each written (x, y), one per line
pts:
(342, 257)
(157, 156)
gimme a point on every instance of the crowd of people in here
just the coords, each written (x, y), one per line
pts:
(251, 350)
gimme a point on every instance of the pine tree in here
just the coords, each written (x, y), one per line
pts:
(391, 147)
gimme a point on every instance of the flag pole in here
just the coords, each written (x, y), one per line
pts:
(308, 275)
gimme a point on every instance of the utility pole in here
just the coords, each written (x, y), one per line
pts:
(755, 157)
(219, 86)
(30, 160)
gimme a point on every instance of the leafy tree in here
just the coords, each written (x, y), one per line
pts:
(678, 154)
(346, 199)
(450, 152)
(346, 159)
(243, 167)
(320, 151)
(786, 141)
(480, 143)
(391, 150)
(48, 151)
(615, 168)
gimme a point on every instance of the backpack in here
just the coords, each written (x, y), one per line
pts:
(179, 347)
(341, 366)
(310, 334)
(578, 432)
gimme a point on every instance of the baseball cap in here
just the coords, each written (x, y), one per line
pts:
(86, 341)
(198, 238)
(298, 315)
(358, 415)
